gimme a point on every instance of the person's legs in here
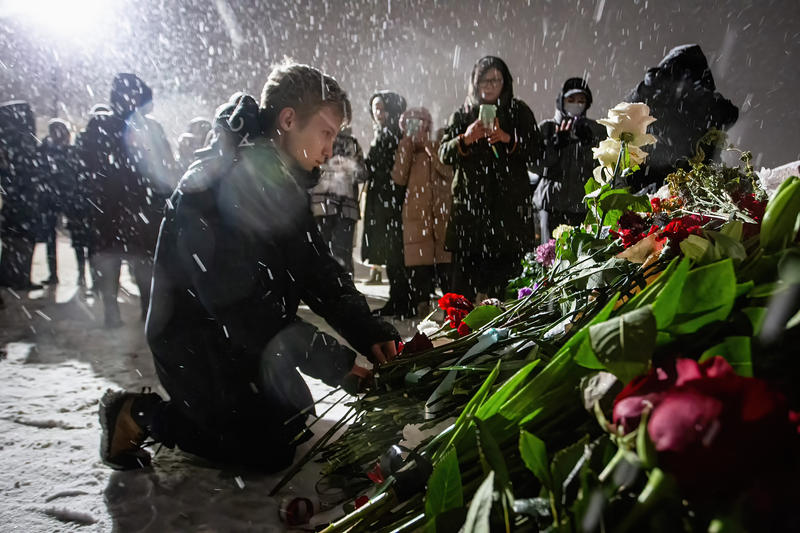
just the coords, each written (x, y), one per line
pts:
(466, 276)
(52, 260)
(80, 257)
(342, 242)
(16, 258)
(500, 271)
(256, 422)
(107, 266)
(444, 277)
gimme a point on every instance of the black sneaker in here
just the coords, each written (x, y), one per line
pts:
(123, 418)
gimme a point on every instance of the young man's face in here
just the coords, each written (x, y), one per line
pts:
(311, 143)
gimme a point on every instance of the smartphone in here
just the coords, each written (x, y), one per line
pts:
(487, 114)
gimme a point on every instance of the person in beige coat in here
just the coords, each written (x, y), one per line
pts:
(426, 208)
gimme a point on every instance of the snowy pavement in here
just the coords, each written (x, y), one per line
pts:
(57, 361)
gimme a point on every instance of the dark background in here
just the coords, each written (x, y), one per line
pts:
(196, 53)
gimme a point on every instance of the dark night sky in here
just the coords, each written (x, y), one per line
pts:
(196, 53)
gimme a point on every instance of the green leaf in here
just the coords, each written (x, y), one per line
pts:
(756, 316)
(733, 229)
(625, 344)
(744, 288)
(481, 315)
(560, 376)
(663, 293)
(697, 248)
(506, 390)
(622, 200)
(665, 303)
(534, 455)
(586, 357)
(480, 508)
(491, 456)
(472, 406)
(736, 351)
(562, 469)
(707, 296)
(727, 246)
(444, 486)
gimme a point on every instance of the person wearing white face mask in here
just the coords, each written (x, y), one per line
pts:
(567, 160)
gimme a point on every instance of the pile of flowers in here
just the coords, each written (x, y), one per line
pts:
(639, 376)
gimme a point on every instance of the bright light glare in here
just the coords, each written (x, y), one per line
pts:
(73, 19)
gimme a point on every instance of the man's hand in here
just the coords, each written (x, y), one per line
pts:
(498, 135)
(383, 352)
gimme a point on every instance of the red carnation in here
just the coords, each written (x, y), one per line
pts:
(456, 307)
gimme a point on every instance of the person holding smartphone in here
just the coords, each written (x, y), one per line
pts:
(567, 160)
(491, 221)
(427, 182)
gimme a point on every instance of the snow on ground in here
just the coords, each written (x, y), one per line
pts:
(57, 361)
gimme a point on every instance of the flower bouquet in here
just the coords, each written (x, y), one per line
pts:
(640, 376)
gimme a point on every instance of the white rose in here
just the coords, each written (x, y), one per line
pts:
(631, 119)
(607, 152)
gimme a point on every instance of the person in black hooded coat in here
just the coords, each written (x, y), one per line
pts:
(491, 221)
(21, 175)
(132, 169)
(682, 97)
(567, 160)
(382, 243)
(237, 251)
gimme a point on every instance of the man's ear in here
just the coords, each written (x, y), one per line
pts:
(287, 118)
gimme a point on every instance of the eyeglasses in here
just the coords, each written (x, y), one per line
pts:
(491, 82)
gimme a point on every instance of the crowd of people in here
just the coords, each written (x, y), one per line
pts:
(453, 208)
(257, 211)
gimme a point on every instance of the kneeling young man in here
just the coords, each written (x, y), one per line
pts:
(237, 251)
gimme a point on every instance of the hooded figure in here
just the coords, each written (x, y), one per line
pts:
(567, 161)
(682, 97)
(382, 243)
(21, 174)
(491, 221)
(238, 250)
(60, 162)
(132, 170)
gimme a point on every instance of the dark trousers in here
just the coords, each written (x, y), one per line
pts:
(106, 267)
(337, 232)
(254, 420)
(52, 259)
(16, 257)
(473, 274)
(81, 256)
(400, 295)
(425, 278)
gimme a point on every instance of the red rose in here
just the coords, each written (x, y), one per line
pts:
(714, 430)
(456, 307)
(464, 330)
